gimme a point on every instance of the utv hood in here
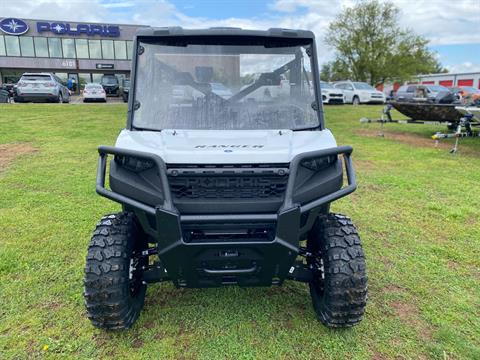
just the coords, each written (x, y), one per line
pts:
(225, 147)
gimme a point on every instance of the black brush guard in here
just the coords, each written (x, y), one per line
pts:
(214, 263)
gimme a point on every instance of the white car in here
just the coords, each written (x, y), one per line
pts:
(331, 95)
(360, 93)
(94, 92)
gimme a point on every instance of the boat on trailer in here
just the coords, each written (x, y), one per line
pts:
(425, 111)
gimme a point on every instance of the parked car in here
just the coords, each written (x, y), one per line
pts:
(466, 92)
(330, 94)
(11, 90)
(4, 95)
(41, 87)
(110, 85)
(94, 92)
(360, 93)
(125, 89)
(419, 91)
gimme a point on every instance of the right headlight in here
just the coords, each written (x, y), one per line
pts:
(318, 164)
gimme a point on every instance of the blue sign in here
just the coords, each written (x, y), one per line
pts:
(12, 26)
(61, 28)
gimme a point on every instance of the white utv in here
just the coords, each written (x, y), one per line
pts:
(224, 190)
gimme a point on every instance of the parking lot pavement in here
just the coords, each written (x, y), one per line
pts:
(78, 99)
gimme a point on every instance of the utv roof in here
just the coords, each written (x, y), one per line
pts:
(226, 31)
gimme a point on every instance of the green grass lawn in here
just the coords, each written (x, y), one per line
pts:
(416, 208)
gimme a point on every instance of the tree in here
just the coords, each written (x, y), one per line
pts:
(370, 46)
(334, 71)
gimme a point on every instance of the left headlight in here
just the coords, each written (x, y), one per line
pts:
(133, 163)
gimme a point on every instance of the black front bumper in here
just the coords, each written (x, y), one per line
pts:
(111, 90)
(247, 262)
(336, 101)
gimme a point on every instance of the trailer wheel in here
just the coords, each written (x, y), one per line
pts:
(114, 292)
(339, 285)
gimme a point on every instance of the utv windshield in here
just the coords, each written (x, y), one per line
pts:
(224, 85)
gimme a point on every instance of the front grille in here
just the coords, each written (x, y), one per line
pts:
(258, 232)
(265, 181)
(336, 101)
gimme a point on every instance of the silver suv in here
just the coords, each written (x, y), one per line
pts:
(416, 91)
(41, 87)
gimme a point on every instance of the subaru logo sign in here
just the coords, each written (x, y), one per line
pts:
(12, 26)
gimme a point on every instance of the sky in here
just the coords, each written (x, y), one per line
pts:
(452, 26)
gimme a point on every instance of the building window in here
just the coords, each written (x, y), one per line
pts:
(95, 49)
(107, 49)
(55, 47)
(82, 48)
(68, 48)
(97, 78)
(26, 46)
(2, 46)
(129, 50)
(63, 77)
(84, 79)
(12, 46)
(41, 48)
(120, 50)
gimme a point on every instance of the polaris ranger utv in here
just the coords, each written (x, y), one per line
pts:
(221, 188)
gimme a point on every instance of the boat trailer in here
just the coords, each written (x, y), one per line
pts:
(465, 127)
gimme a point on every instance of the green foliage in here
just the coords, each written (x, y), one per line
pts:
(419, 227)
(370, 46)
(334, 71)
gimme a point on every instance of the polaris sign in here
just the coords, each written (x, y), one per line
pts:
(12, 26)
(61, 28)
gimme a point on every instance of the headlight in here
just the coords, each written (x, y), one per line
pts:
(133, 163)
(319, 163)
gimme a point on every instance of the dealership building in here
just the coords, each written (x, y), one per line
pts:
(77, 50)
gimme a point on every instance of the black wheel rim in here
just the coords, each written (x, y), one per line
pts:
(317, 266)
(137, 264)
